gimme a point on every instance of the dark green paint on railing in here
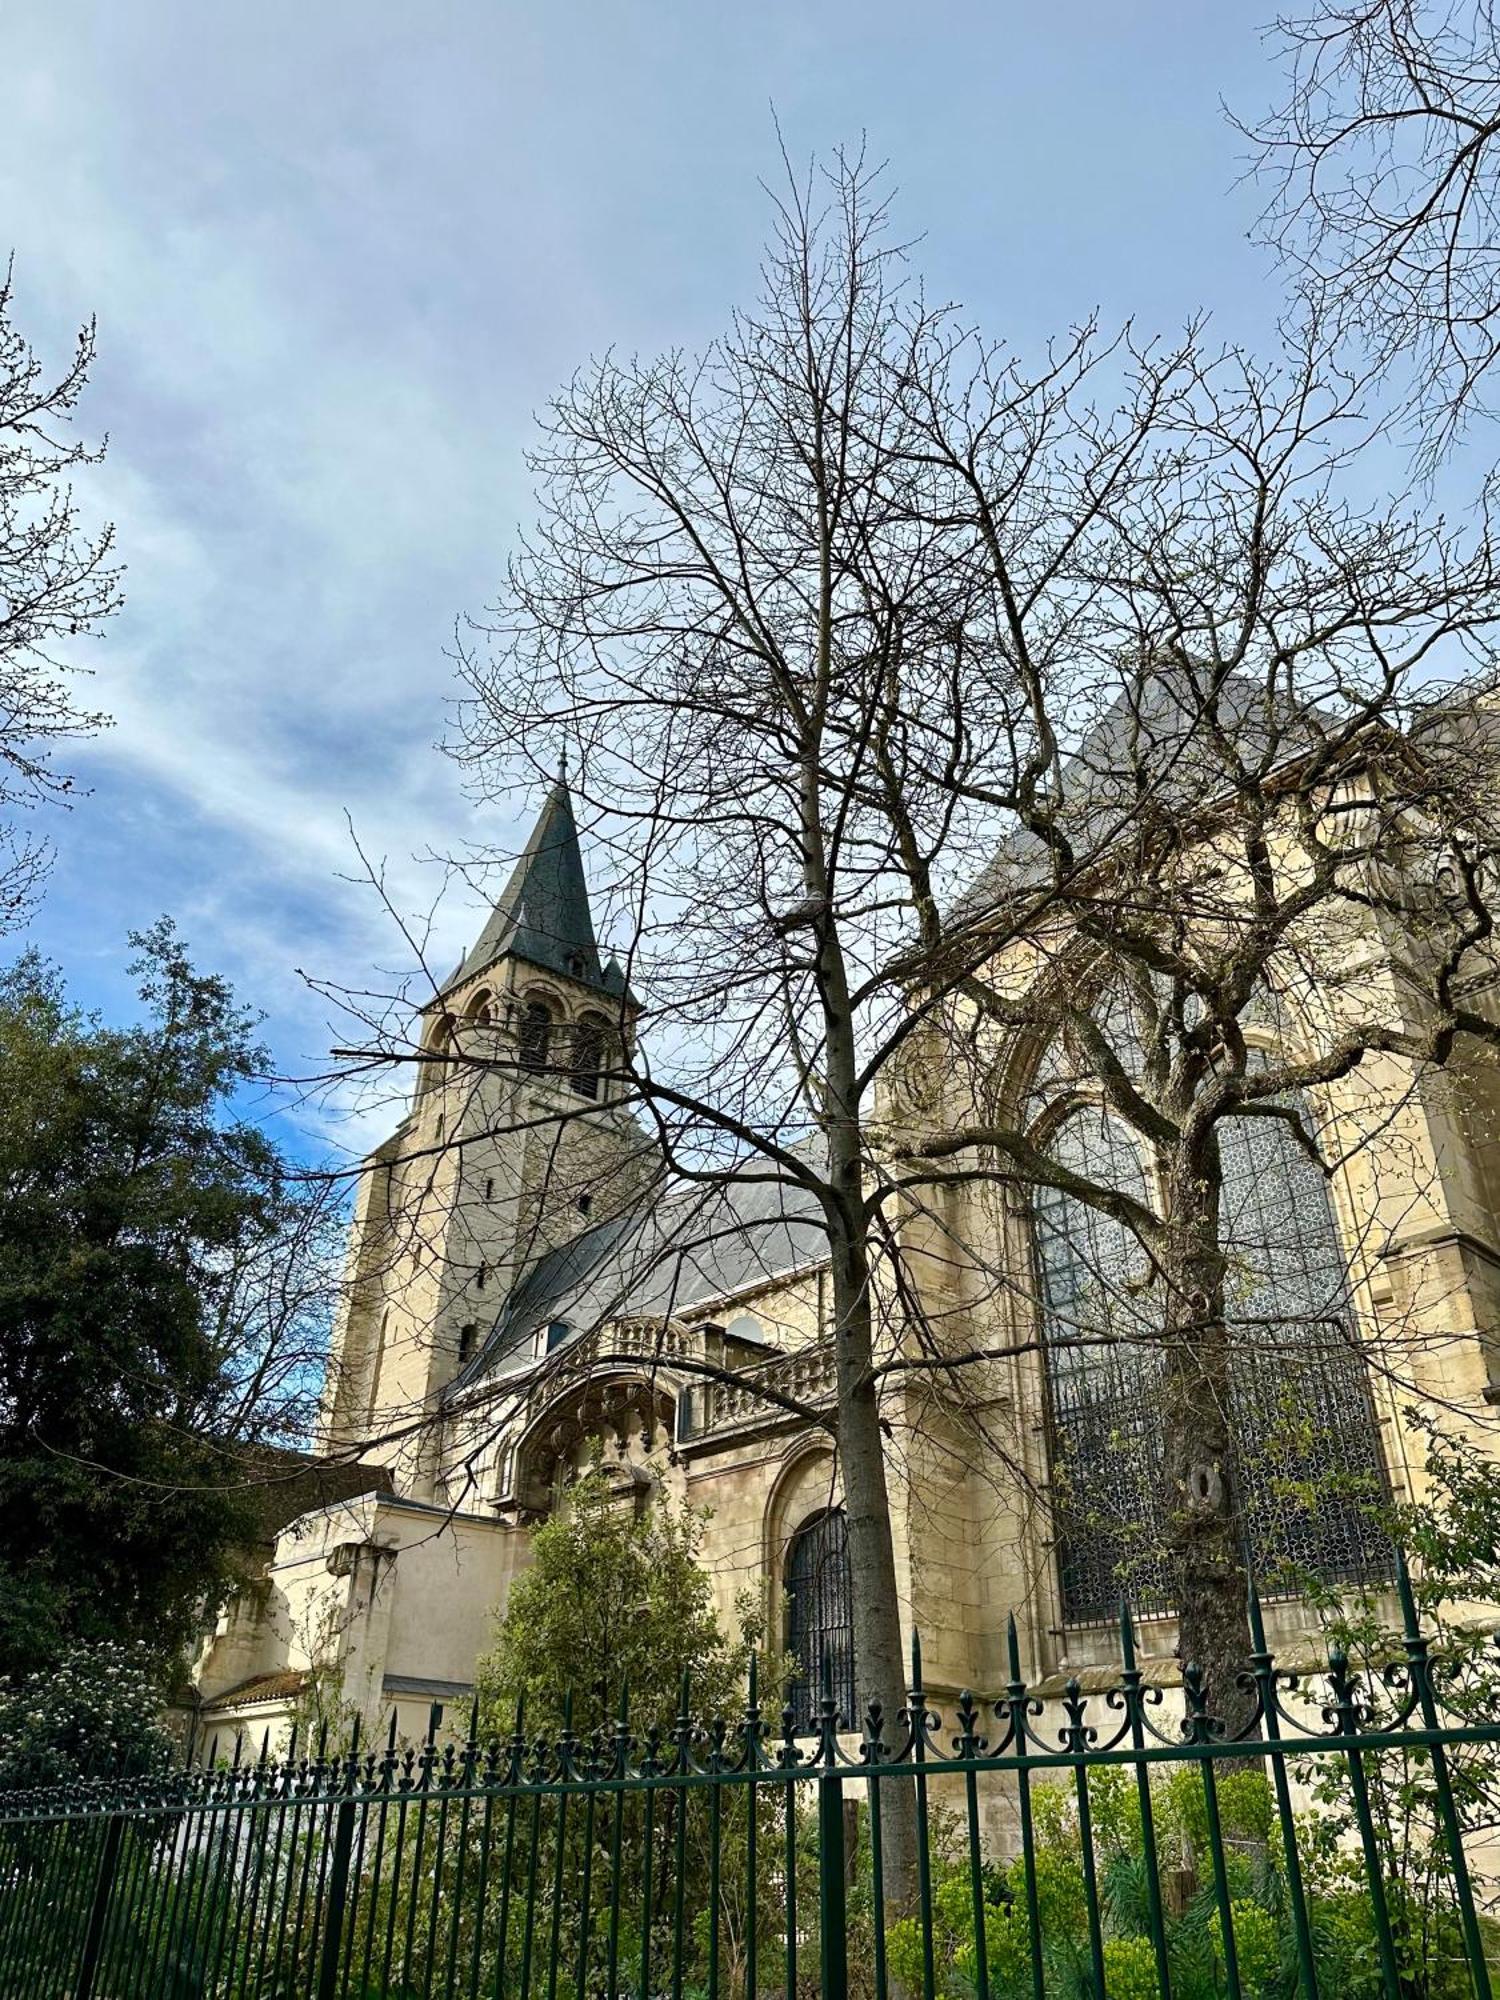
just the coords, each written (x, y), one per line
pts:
(694, 1857)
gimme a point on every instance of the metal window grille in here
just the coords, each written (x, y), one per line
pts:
(588, 1054)
(820, 1619)
(1309, 1454)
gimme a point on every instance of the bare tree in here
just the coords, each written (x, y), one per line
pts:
(933, 711)
(1384, 180)
(272, 1311)
(1244, 779)
(57, 583)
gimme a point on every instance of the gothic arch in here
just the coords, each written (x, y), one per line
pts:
(1021, 1054)
(807, 1481)
(807, 1489)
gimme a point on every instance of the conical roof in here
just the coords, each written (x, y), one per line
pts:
(543, 912)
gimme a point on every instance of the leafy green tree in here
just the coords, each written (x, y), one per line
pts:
(615, 1596)
(131, 1196)
(1451, 1540)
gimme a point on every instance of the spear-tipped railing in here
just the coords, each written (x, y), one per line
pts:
(684, 1854)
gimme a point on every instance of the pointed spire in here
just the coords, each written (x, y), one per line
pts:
(543, 914)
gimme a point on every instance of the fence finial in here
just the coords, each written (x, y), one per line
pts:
(1252, 1611)
(1407, 1596)
(1127, 1636)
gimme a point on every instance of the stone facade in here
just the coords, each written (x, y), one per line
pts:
(523, 1298)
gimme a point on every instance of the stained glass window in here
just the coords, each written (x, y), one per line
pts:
(1103, 1366)
(1304, 1424)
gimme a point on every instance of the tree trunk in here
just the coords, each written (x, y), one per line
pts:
(1205, 1518)
(878, 1658)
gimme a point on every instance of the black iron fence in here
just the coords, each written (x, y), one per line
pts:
(1332, 1845)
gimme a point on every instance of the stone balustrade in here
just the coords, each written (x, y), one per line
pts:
(807, 1376)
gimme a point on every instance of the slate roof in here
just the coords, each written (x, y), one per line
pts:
(543, 915)
(1153, 735)
(285, 1484)
(682, 1247)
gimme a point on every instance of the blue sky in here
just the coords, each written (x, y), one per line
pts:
(340, 254)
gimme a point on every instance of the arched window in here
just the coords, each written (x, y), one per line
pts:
(820, 1620)
(377, 1361)
(1103, 1363)
(1303, 1416)
(589, 1043)
(436, 1049)
(1304, 1425)
(536, 1034)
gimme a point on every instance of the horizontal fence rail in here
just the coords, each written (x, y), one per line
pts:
(1101, 1852)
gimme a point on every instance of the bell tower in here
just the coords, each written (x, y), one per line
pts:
(515, 1142)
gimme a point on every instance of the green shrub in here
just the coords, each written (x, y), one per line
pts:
(1429, 1943)
(95, 1714)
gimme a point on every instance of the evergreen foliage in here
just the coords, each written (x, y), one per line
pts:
(133, 1193)
(616, 1598)
(91, 1715)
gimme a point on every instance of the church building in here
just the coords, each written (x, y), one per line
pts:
(529, 1293)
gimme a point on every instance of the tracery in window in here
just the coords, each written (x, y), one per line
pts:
(1103, 1370)
(1302, 1405)
(1304, 1424)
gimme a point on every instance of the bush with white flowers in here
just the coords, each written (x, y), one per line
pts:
(95, 1714)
